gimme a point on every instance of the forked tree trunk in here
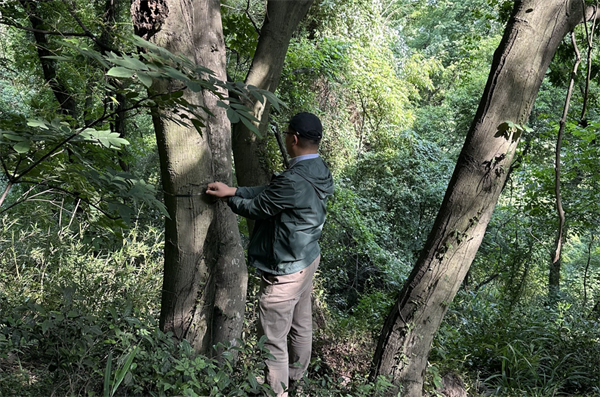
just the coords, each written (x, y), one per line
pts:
(205, 276)
(532, 35)
(280, 23)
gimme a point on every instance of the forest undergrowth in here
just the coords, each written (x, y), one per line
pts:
(79, 322)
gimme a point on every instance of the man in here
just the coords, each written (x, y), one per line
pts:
(289, 214)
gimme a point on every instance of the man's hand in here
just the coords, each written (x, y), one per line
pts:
(220, 190)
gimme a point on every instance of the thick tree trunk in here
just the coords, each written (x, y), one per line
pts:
(280, 23)
(532, 35)
(205, 275)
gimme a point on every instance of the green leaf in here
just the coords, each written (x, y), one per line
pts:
(232, 116)
(107, 371)
(259, 97)
(273, 100)
(145, 79)
(199, 125)
(14, 137)
(46, 325)
(250, 126)
(120, 375)
(37, 123)
(131, 63)
(176, 74)
(22, 147)
(119, 71)
(194, 86)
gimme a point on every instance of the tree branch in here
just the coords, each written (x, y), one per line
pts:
(5, 193)
(563, 120)
(60, 189)
(247, 11)
(590, 41)
(42, 31)
(68, 139)
(587, 268)
(88, 33)
(286, 163)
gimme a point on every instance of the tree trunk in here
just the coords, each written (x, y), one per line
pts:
(281, 21)
(60, 91)
(532, 35)
(205, 277)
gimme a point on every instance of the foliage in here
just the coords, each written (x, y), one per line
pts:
(73, 345)
(530, 349)
(396, 85)
(379, 218)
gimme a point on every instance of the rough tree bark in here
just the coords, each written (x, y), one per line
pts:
(533, 33)
(280, 23)
(205, 277)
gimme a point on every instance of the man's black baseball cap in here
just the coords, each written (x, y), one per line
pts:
(307, 125)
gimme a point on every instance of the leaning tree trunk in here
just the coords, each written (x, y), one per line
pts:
(280, 22)
(532, 35)
(205, 276)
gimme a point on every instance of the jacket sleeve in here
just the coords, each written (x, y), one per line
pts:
(273, 199)
(249, 192)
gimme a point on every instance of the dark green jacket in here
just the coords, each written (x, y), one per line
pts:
(290, 213)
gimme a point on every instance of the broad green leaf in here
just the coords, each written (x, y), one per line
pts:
(144, 78)
(258, 96)
(37, 123)
(119, 71)
(131, 63)
(176, 74)
(14, 137)
(273, 100)
(250, 126)
(46, 325)
(104, 141)
(22, 147)
(232, 116)
(194, 86)
(245, 113)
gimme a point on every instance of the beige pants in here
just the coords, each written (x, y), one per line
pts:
(286, 320)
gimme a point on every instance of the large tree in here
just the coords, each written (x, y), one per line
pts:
(205, 274)
(532, 35)
(281, 20)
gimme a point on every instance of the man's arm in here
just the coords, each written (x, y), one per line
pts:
(279, 195)
(249, 192)
(222, 191)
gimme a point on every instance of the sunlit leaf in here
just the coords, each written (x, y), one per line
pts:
(120, 72)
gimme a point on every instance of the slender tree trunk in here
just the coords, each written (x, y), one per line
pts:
(587, 267)
(281, 21)
(64, 98)
(532, 35)
(205, 277)
(556, 256)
